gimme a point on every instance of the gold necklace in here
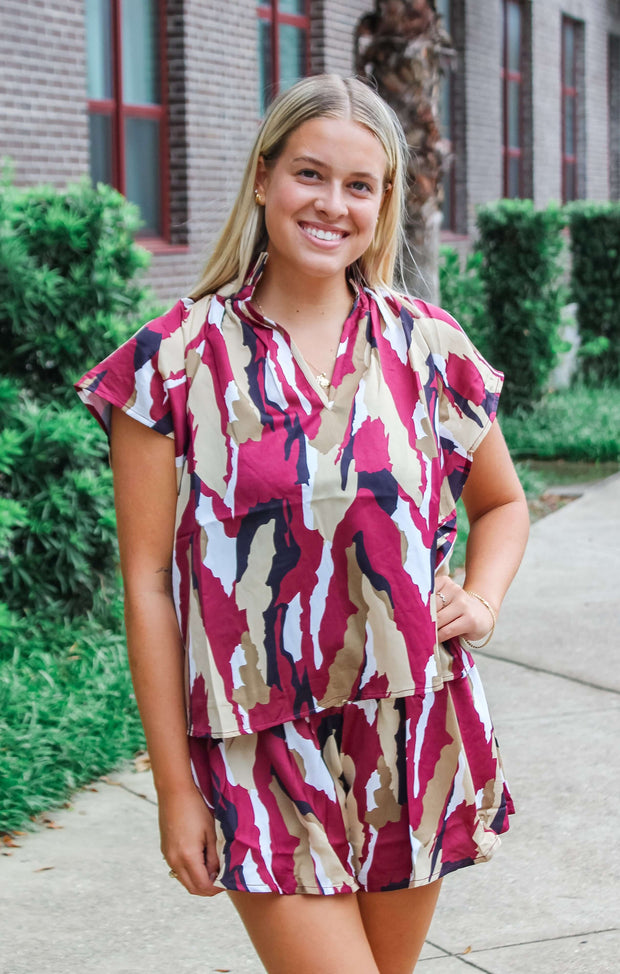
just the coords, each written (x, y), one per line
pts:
(321, 377)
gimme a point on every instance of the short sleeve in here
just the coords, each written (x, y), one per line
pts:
(469, 388)
(145, 377)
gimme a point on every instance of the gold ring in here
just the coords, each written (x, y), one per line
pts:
(172, 874)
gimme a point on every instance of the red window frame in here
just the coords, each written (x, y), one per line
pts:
(507, 75)
(569, 160)
(118, 111)
(445, 11)
(271, 13)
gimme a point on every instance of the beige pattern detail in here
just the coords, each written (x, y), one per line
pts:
(388, 643)
(254, 689)
(388, 809)
(241, 758)
(210, 446)
(310, 834)
(328, 512)
(253, 596)
(355, 828)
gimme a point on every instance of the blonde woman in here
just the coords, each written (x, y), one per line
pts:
(288, 447)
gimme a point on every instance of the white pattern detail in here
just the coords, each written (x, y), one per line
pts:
(361, 412)
(307, 490)
(364, 871)
(181, 380)
(286, 363)
(458, 793)
(216, 313)
(370, 665)
(273, 387)
(231, 396)
(261, 821)
(480, 703)
(316, 773)
(416, 845)
(325, 881)
(291, 630)
(394, 332)
(221, 554)
(237, 660)
(421, 726)
(319, 598)
(417, 562)
(144, 401)
(231, 486)
(372, 785)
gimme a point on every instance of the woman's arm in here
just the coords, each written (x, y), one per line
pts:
(499, 526)
(145, 496)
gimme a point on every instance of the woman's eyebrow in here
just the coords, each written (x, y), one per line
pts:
(324, 165)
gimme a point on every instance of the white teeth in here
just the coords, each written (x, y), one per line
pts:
(323, 234)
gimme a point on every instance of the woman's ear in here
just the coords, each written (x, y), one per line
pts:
(261, 178)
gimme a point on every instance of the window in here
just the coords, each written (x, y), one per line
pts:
(283, 46)
(573, 106)
(446, 122)
(512, 98)
(614, 116)
(126, 82)
(569, 109)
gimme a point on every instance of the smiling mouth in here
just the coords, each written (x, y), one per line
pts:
(320, 234)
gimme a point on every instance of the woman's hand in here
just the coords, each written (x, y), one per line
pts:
(188, 841)
(458, 613)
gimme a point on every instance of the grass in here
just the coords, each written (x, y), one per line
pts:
(573, 424)
(578, 429)
(67, 715)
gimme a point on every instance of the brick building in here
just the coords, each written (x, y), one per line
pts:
(162, 99)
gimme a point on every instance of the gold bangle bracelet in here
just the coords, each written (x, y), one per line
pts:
(487, 640)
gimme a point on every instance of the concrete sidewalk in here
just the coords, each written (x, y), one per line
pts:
(94, 895)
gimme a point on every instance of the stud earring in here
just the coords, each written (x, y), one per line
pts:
(259, 198)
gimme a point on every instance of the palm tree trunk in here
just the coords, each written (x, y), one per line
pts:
(401, 48)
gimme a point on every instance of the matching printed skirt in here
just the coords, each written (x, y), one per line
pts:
(376, 795)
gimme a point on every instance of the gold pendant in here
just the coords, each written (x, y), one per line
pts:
(323, 381)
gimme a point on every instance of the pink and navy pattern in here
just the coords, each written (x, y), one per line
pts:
(310, 524)
(377, 795)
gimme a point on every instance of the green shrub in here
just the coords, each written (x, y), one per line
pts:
(521, 271)
(57, 529)
(463, 295)
(595, 285)
(68, 294)
(68, 297)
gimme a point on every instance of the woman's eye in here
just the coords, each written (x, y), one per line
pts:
(360, 187)
(308, 173)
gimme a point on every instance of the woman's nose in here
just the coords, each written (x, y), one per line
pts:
(331, 200)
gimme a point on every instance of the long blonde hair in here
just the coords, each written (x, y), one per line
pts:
(322, 96)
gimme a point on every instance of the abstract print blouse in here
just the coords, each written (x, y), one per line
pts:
(309, 524)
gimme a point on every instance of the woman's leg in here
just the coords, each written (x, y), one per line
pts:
(307, 934)
(396, 923)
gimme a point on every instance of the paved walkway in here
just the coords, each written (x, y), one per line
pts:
(93, 894)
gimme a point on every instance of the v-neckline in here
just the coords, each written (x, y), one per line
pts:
(356, 351)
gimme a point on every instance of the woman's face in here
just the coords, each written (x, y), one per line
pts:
(322, 198)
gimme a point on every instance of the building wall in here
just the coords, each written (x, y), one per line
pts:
(213, 103)
(221, 117)
(334, 23)
(598, 20)
(43, 122)
(221, 90)
(483, 25)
